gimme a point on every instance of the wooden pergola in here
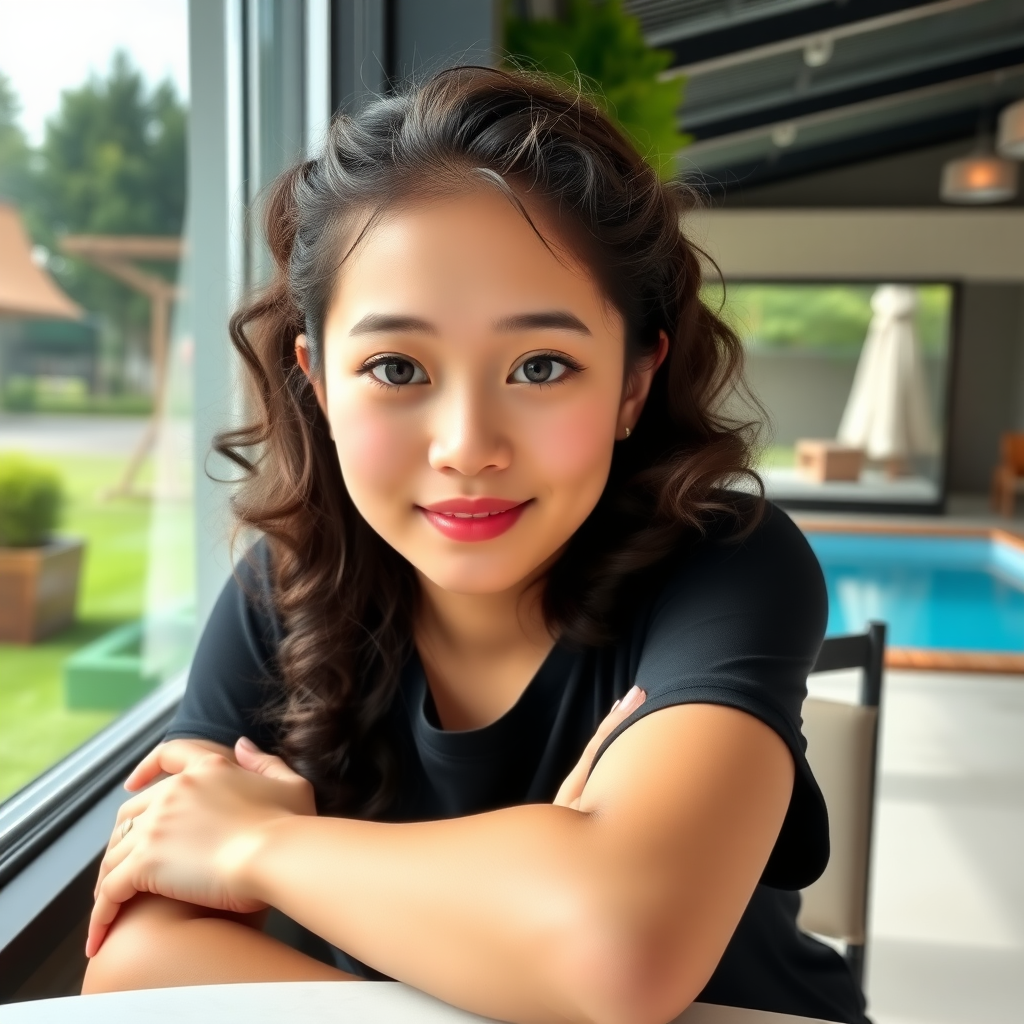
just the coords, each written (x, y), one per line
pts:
(117, 256)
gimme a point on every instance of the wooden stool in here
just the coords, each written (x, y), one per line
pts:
(828, 460)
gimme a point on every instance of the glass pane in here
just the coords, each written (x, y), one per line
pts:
(854, 379)
(96, 588)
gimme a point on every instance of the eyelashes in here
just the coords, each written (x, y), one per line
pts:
(545, 368)
(394, 371)
(391, 370)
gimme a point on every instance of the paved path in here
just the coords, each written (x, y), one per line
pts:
(42, 434)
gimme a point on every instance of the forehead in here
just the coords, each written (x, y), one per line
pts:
(475, 250)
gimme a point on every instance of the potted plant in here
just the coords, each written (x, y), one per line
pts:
(39, 573)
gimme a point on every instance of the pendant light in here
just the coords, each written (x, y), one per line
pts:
(1011, 131)
(978, 178)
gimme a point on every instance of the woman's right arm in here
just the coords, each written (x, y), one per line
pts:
(158, 942)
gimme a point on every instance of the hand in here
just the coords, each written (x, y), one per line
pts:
(192, 833)
(571, 791)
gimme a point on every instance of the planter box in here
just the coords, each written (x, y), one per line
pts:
(38, 590)
(107, 674)
(110, 674)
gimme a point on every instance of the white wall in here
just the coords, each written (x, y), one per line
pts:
(926, 244)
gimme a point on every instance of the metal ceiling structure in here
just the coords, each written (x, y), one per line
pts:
(779, 88)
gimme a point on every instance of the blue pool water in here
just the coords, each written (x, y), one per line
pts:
(952, 593)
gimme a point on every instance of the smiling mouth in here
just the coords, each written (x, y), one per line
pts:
(477, 519)
(474, 515)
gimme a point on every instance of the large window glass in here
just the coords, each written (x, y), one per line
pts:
(854, 378)
(96, 524)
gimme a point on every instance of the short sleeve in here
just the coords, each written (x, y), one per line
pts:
(740, 624)
(231, 680)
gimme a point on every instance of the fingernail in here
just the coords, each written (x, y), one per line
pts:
(632, 699)
(247, 744)
(615, 705)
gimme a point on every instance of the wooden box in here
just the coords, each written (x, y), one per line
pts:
(822, 461)
(38, 590)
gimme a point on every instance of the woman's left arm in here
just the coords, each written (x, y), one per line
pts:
(616, 911)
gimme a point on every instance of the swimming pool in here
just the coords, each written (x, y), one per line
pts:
(962, 595)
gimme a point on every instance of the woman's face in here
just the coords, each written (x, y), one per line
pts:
(474, 385)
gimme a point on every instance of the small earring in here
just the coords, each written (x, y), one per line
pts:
(628, 432)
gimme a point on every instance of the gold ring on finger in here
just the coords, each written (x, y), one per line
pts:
(126, 826)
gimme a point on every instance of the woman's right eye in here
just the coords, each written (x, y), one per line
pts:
(395, 372)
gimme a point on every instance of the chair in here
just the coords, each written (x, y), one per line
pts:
(842, 752)
(1008, 476)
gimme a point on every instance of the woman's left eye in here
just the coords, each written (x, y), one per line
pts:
(540, 370)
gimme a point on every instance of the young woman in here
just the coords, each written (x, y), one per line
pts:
(506, 702)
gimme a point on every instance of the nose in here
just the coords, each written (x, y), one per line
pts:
(469, 435)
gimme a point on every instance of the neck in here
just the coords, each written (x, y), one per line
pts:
(481, 624)
(480, 651)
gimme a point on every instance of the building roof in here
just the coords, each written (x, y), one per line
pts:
(27, 290)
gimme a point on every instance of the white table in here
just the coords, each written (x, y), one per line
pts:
(320, 1002)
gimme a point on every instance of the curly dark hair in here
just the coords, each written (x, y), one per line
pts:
(345, 598)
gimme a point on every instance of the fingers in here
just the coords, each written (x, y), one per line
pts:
(252, 759)
(621, 710)
(121, 844)
(170, 758)
(571, 790)
(105, 910)
(115, 888)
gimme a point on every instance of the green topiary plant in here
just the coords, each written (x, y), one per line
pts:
(596, 42)
(31, 496)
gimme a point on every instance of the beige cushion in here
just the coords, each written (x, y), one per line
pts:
(841, 753)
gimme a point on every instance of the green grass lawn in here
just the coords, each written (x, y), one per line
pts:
(36, 729)
(778, 456)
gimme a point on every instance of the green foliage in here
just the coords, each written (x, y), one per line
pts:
(19, 394)
(114, 158)
(112, 162)
(598, 42)
(14, 151)
(30, 502)
(822, 317)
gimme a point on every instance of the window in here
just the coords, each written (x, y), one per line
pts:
(97, 581)
(853, 421)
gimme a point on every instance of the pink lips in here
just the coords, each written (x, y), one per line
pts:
(472, 519)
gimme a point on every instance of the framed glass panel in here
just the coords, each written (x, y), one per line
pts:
(97, 589)
(854, 377)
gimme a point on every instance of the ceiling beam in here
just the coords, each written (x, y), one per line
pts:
(765, 49)
(782, 165)
(828, 104)
(819, 19)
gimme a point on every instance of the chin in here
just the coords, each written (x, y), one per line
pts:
(475, 579)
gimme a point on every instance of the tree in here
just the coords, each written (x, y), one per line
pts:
(112, 163)
(15, 155)
(596, 40)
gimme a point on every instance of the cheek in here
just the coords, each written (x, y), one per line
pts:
(573, 446)
(376, 451)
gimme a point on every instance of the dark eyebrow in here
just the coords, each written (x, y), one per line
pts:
(374, 323)
(559, 320)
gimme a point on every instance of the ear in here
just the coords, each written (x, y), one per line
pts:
(638, 386)
(302, 358)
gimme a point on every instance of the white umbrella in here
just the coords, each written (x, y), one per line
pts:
(888, 413)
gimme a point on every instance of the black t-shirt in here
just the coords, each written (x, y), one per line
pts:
(733, 623)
